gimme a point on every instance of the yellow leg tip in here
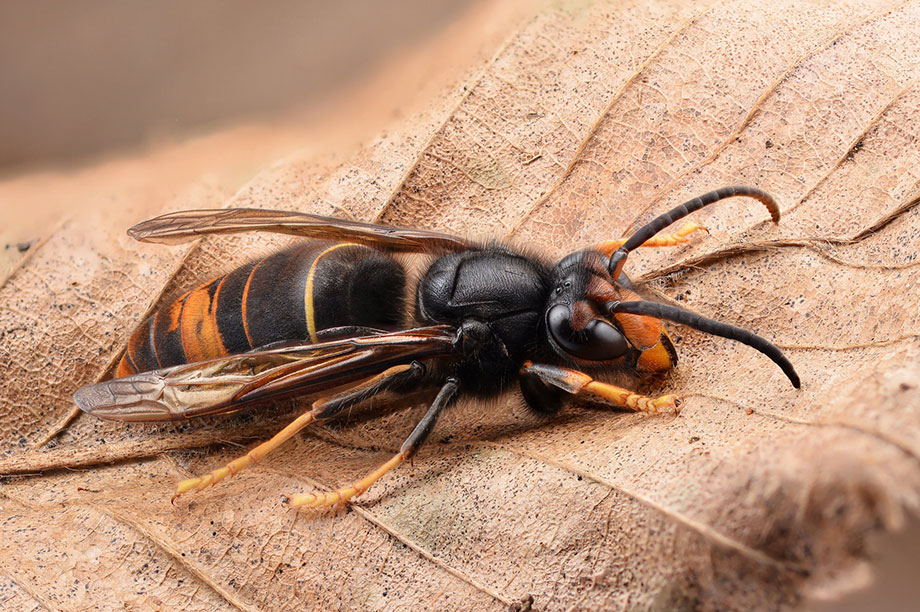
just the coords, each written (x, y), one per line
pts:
(657, 405)
(330, 498)
(671, 402)
(318, 500)
(323, 500)
(187, 485)
(203, 482)
(304, 499)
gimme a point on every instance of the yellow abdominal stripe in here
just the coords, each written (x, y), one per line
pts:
(308, 291)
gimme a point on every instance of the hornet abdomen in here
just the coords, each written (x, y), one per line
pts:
(289, 296)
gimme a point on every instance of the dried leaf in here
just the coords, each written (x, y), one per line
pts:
(590, 120)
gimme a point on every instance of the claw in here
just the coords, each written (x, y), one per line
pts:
(689, 227)
(321, 499)
(185, 486)
(667, 401)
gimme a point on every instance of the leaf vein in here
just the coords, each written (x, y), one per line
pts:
(758, 104)
(586, 139)
(365, 513)
(226, 594)
(814, 244)
(856, 426)
(705, 531)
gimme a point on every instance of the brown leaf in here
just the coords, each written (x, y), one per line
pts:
(588, 121)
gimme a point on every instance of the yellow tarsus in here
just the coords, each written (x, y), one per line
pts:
(258, 453)
(659, 240)
(634, 401)
(322, 499)
(241, 463)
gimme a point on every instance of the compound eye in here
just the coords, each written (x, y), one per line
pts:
(598, 341)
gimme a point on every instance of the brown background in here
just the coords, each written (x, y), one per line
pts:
(79, 78)
(99, 99)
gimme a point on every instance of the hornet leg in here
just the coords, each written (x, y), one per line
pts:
(322, 409)
(659, 240)
(406, 451)
(544, 397)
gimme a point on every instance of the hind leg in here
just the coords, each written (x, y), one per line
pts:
(322, 409)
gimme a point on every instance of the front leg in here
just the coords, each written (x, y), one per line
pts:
(658, 240)
(543, 386)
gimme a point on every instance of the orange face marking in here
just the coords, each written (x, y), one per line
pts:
(655, 360)
(582, 314)
(600, 290)
(642, 332)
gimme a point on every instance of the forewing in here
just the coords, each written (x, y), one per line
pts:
(226, 384)
(187, 225)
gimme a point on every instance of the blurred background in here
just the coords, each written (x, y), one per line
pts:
(105, 105)
(99, 98)
(81, 78)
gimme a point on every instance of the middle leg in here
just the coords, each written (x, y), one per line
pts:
(418, 436)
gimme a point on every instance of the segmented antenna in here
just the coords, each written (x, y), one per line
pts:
(724, 330)
(659, 223)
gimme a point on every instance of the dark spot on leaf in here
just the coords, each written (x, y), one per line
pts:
(854, 149)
